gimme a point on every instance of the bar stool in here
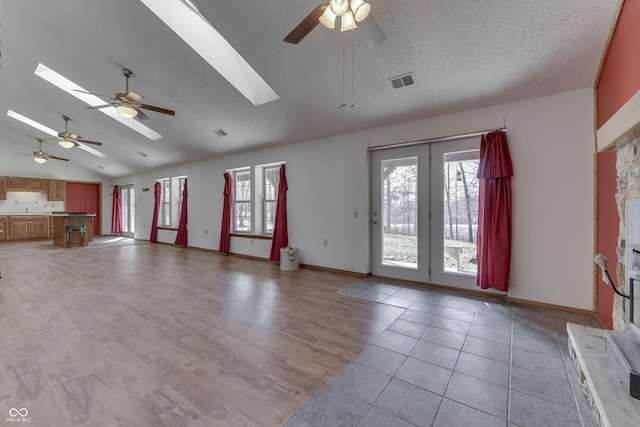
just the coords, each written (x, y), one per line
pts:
(76, 223)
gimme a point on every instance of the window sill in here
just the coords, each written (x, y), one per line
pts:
(167, 228)
(252, 236)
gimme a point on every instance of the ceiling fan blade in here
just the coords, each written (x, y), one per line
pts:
(141, 115)
(134, 97)
(305, 27)
(95, 94)
(158, 109)
(371, 32)
(57, 158)
(89, 142)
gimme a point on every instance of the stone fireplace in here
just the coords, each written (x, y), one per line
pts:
(599, 360)
(628, 171)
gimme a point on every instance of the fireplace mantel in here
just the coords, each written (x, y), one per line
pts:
(622, 127)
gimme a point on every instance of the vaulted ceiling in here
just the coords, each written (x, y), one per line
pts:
(463, 54)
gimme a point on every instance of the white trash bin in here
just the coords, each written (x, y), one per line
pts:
(289, 259)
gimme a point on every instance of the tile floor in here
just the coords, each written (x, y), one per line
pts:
(455, 360)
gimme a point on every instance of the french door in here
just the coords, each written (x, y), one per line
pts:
(424, 212)
(127, 199)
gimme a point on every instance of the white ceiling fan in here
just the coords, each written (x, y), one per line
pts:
(128, 102)
(81, 144)
(70, 140)
(354, 14)
(40, 156)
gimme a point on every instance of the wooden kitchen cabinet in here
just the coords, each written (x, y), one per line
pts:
(16, 183)
(28, 227)
(3, 228)
(57, 190)
(3, 188)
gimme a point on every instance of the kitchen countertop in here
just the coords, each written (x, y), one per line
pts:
(24, 213)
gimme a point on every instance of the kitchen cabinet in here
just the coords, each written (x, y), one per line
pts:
(15, 183)
(28, 227)
(3, 228)
(3, 188)
(57, 190)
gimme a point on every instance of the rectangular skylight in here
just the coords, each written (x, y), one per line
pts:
(26, 120)
(72, 88)
(189, 24)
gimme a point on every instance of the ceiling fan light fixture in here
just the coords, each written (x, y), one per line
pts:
(66, 144)
(126, 111)
(339, 7)
(39, 159)
(348, 21)
(361, 9)
(328, 19)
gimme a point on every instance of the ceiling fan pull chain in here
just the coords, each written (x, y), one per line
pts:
(342, 103)
(353, 103)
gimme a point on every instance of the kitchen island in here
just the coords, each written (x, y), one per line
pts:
(60, 222)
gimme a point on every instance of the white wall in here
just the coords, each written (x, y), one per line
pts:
(551, 141)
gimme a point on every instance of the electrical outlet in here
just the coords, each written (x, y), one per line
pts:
(325, 242)
(355, 213)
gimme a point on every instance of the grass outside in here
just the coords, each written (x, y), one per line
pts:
(399, 248)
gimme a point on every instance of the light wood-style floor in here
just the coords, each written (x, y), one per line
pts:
(154, 335)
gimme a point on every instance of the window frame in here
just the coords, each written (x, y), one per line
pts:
(257, 201)
(248, 184)
(266, 200)
(171, 201)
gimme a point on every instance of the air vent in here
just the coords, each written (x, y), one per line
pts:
(220, 132)
(403, 81)
(141, 154)
(100, 167)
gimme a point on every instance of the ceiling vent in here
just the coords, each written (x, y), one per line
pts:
(220, 132)
(403, 80)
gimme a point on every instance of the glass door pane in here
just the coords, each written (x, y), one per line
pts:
(454, 215)
(127, 198)
(400, 213)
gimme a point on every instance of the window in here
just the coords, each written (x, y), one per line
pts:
(171, 201)
(271, 183)
(165, 204)
(242, 205)
(255, 198)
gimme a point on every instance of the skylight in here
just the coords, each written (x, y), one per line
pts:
(72, 88)
(192, 27)
(26, 120)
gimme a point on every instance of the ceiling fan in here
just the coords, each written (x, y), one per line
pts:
(40, 156)
(354, 14)
(128, 102)
(70, 140)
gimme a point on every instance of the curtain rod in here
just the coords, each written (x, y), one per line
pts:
(120, 185)
(438, 139)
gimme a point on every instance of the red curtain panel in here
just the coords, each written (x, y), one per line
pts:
(280, 233)
(494, 212)
(225, 231)
(181, 237)
(116, 212)
(156, 210)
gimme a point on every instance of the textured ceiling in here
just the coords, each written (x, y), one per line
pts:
(465, 54)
